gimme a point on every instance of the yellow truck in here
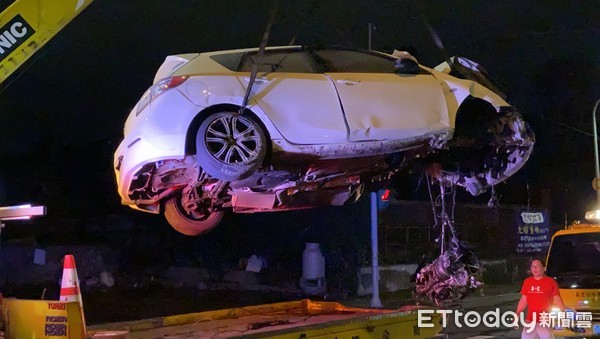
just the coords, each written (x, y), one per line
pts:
(27, 25)
(574, 261)
(286, 320)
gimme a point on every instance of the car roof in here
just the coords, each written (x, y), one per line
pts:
(244, 50)
(304, 47)
(579, 228)
(226, 61)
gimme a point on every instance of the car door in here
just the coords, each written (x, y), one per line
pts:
(380, 104)
(302, 104)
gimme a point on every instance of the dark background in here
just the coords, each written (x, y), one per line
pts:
(61, 117)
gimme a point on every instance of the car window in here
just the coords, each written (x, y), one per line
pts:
(278, 61)
(353, 61)
(230, 60)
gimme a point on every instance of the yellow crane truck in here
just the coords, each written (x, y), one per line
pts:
(574, 261)
(27, 25)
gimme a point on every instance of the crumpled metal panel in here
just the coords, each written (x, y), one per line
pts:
(513, 144)
(303, 107)
(391, 106)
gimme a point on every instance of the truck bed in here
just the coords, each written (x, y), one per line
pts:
(296, 319)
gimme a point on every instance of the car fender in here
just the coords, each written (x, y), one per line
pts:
(209, 91)
(462, 88)
(456, 91)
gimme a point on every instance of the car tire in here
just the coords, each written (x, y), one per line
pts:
(230, 146)
(187, 224)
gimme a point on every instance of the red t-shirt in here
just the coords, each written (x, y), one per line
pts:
(539, 293)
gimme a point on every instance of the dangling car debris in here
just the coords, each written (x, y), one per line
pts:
(321, 125)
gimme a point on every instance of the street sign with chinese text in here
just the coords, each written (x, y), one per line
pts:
(533, 232)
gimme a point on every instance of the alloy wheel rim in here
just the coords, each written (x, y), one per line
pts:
(233, 140)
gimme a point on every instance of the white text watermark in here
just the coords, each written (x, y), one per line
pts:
(508, 319)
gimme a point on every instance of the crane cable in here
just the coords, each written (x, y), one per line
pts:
(259, 56)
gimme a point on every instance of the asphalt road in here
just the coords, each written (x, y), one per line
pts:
(482, 331)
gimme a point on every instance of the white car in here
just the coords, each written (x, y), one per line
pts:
(320, 125)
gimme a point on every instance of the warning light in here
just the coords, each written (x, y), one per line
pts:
(592, 215)
(383, 199)
(385, 195)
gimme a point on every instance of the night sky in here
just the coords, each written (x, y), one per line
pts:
(61, 117)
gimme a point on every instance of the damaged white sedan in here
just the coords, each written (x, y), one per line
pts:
(320, 126)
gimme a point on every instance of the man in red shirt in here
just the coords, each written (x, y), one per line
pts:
(539, 294)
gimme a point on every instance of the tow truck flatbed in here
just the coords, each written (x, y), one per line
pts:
(295, 319)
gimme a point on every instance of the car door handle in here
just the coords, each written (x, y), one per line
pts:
(257, 79)
(348, 82)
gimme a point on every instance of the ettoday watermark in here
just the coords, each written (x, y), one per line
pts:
(508, 319)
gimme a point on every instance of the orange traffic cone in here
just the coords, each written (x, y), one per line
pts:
(69, 287)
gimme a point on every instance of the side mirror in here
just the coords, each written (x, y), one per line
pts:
(406, 66)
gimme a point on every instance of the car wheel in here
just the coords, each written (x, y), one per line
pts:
(190, 224)
(230, 146)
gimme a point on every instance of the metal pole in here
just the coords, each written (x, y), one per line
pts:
(597, 164)
(375, 300)
(370, 29)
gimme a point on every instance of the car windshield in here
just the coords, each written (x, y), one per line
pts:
(575, 254)
(468, 69)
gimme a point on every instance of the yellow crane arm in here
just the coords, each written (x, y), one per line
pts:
(27, 25)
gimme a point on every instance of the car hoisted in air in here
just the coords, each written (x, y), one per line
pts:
(320, 126)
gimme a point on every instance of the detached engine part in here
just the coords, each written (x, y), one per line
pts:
(450, 277)
(456, 272)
